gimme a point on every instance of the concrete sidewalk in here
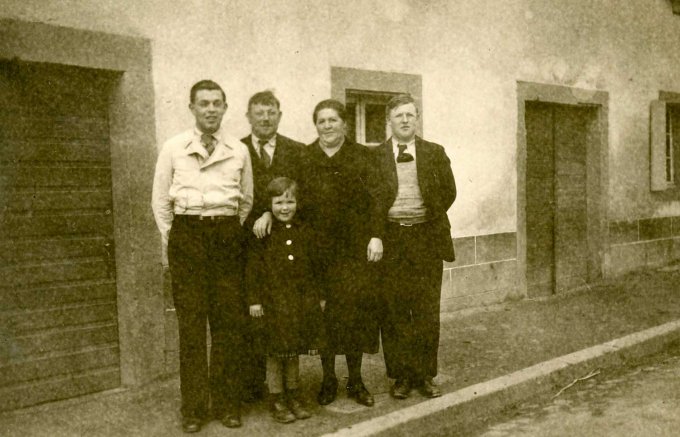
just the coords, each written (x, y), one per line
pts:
(489, 358)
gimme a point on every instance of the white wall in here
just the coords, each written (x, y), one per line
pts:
(470, 55)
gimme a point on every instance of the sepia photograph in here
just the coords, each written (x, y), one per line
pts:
(343, 219)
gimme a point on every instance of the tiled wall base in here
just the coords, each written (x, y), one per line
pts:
(643, 243)
(485, 271)
(627, 257)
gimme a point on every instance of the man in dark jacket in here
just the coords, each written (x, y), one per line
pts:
(420, 188)
(273, 155)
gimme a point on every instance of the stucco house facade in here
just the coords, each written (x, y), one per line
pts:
(562, 121)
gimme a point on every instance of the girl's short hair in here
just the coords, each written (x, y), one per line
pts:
(278, 186)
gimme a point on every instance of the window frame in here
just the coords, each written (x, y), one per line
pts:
(359, 99)
(349, 83)
(665, 145)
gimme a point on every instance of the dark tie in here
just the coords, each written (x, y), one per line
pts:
(264, 156)
(208, 142)
(403, 156)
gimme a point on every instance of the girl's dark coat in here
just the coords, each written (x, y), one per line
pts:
(286, 289)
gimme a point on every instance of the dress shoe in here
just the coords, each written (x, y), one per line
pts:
(191, 425)
(401, 389)
(297, 406)
(429, 389)
(279, 409)
(232, 419)
(328, 392)
(360, 394)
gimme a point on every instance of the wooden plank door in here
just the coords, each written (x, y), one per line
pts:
(58, 318)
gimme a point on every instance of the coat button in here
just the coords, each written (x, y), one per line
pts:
(289, 242)
(291, 257)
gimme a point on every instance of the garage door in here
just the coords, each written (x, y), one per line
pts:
(58, 321)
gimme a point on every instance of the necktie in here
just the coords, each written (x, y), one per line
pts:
(264, 156)
(403, 156)
(208, 142)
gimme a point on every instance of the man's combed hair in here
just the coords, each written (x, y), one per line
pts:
(399, 100)
(278, 186)
(330, 104)
(265, 98)
(205, 85)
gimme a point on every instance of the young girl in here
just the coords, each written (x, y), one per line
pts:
(284, 301)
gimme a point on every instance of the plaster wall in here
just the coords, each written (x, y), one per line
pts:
(470, 55)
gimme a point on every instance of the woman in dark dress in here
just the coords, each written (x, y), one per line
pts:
(341, 204)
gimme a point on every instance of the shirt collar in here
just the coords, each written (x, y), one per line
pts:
(256, 141)
(195, 145)
(410, 146)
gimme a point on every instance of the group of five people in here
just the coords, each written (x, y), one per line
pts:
(287, 249)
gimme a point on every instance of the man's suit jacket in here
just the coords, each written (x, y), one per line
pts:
(285, 162)
(437, 186)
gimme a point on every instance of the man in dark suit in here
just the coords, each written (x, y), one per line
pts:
(420, 188)
(273, 155)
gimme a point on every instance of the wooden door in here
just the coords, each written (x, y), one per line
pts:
(58, 319)
(556, 196)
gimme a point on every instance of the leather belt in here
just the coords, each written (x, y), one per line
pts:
(206, 218)
(408, 225)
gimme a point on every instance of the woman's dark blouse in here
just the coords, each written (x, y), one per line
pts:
(340, 199)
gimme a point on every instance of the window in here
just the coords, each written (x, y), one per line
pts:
(664, 144)
(366, 93)
(366, 116)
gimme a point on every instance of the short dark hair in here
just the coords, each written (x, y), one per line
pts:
(330, 104)
(266, 98)
(278, 186)
(205, 85)
(399, 100)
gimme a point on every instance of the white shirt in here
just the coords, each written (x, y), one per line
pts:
(269, 147)
(188, 181)
(410, 148)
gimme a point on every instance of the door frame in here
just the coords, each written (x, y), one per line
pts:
(596, 170)
(132, 139)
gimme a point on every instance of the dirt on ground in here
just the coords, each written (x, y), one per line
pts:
(475, 346)
(515, 335)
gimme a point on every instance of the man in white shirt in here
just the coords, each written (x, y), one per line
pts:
(202, 194)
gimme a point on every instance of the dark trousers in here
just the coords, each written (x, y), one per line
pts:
(206, 264)
(411, 294)
(254, 370)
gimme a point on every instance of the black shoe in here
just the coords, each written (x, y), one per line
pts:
(328, 392)
(429, 389)
(297, 406)
(360, 394)
(191, 425)
(401, 389)
(279, 409)
(232, 419)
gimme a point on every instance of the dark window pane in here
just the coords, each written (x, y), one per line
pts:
(375, 123)
(351, 109)
(674, 154)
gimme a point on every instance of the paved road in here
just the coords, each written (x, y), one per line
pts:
(644, 401)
